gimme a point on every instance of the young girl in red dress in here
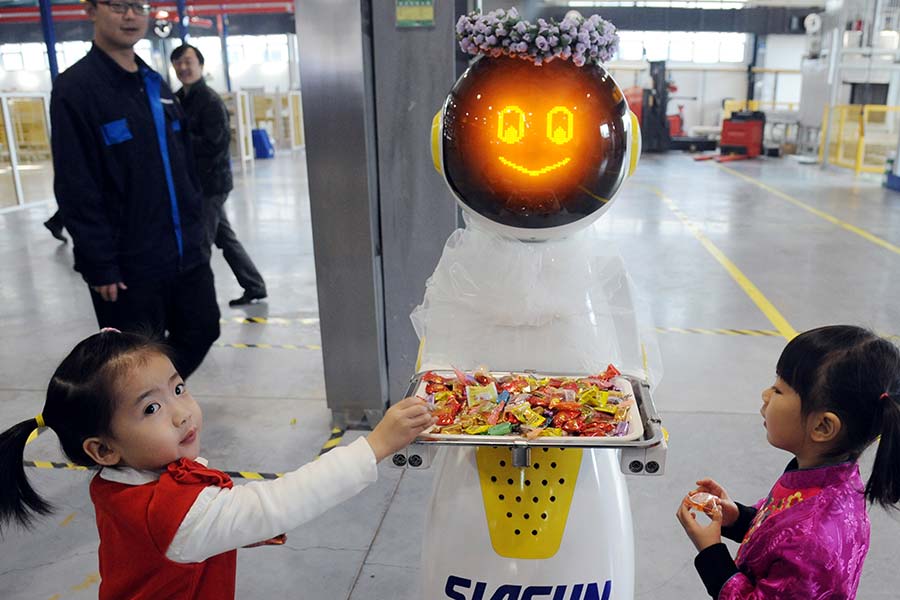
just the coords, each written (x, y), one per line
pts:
(169, 525)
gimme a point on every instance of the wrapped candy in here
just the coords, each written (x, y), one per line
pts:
(703, 501)
(482, 403)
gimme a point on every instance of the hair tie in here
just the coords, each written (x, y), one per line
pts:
(40, 421)
(884, 396)
(110, 330)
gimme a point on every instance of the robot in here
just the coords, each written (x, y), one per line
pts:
(534, 155)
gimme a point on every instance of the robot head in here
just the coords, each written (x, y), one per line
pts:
(536, 151)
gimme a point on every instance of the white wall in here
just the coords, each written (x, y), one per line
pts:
(701, 88)
(782, 52)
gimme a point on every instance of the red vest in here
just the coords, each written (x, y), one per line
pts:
(137, 524)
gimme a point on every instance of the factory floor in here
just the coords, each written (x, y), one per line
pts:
(729, 259)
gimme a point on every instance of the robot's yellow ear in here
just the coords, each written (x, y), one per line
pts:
(436, 142)
(635, 143)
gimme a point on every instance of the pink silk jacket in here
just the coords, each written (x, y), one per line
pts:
(807, 541)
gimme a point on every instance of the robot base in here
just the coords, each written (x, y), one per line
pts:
(558, 529)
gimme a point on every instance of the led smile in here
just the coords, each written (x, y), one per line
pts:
(532, 172)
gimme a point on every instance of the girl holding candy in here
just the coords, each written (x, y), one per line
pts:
(837, 390)
(169, 526)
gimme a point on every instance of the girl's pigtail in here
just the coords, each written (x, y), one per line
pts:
(18, 500)
(883, 486)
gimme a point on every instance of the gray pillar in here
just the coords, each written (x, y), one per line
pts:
(414, 70)
(380, 213)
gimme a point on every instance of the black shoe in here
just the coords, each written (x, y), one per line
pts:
(247, 298)
(56, 230)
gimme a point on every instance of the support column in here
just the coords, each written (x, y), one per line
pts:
(380, 213)
(222, 26)
(183, 21)
(49, 37)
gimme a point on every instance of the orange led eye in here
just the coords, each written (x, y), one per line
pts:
(560, 125)
(511, 124)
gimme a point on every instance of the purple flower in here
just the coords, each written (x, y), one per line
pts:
(504, 32)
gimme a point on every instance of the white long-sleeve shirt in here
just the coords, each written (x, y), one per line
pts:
(222, 519)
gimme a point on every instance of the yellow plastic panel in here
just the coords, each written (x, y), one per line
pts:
(436, 141)
(527, 508)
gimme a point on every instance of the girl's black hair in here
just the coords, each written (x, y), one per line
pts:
(855, 374)
(80, 403)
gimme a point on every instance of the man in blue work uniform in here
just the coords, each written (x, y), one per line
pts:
(126, 188)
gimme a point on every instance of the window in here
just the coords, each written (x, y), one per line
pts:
(11, 58)
(34, 57)
(682, 46)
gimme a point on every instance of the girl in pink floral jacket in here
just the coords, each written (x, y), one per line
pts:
(837, 390)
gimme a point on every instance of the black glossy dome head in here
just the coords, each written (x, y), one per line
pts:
(542, 149)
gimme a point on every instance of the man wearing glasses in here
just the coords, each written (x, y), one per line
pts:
(125, 183)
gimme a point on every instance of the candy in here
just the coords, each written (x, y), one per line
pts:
(703, 501)
(501, 429)
(476, 394)
(479, 429)
(515, 404)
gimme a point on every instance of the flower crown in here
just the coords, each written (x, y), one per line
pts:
(591, 40)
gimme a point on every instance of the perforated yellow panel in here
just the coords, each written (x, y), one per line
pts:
(527, 508)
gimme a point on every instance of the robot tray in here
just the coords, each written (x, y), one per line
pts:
(640, 428)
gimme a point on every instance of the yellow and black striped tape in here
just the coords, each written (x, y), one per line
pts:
(241, 346)
(337, 434)
(751, 332)
(47, 464)
(334, 440)
(271, 321)
(313, 321)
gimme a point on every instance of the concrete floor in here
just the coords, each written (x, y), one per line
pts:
(779, 223)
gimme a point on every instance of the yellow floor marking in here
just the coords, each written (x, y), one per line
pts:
(767, 308)
(824, 215)
(89, 581)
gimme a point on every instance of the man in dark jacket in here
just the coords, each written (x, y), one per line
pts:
(210, 137)
(127, 193)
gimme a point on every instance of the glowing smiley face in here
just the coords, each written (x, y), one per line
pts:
(534, 147)
(511, 122)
